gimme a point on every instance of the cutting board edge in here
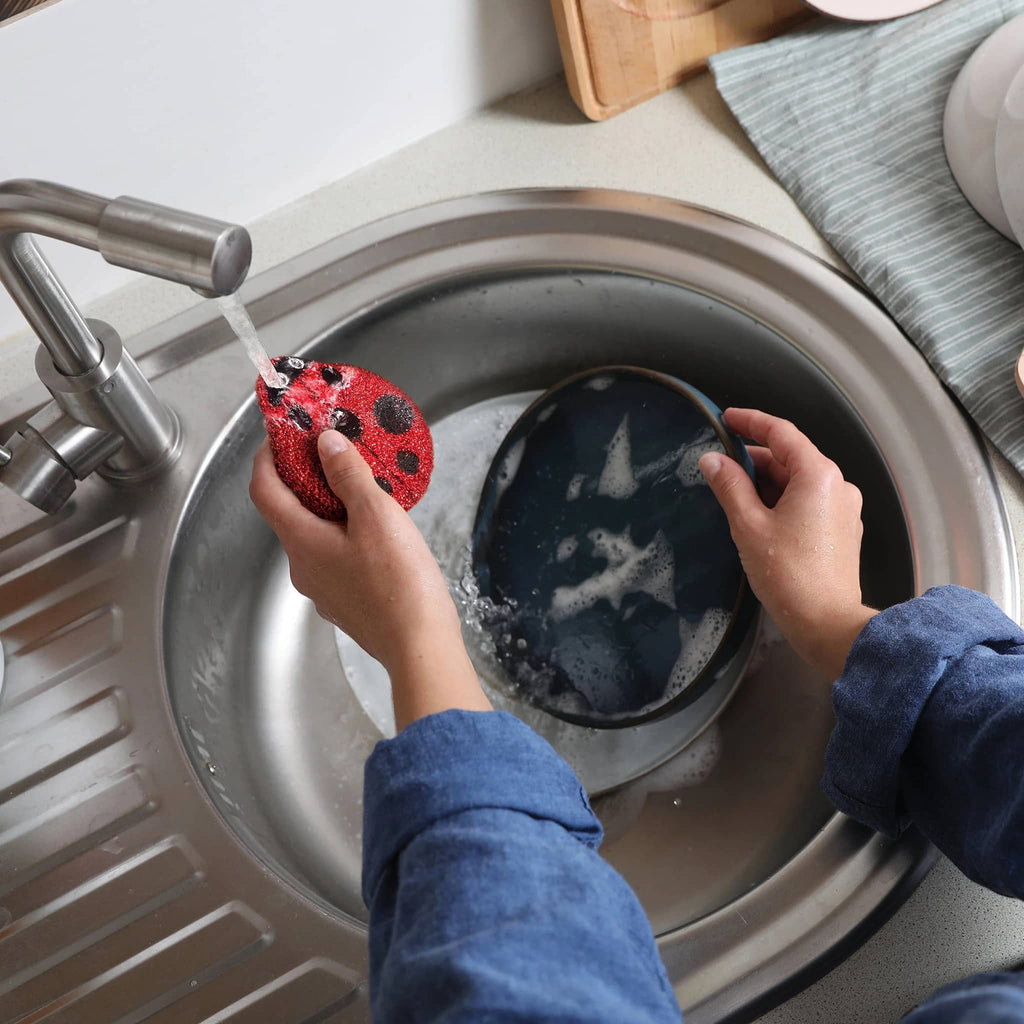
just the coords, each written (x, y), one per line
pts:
(579, 75)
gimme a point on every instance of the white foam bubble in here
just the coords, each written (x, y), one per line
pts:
(697, 644)
(510, 466)
(566, 548)
(629, 570)
(601, 383)
(572, 492)
(617, 479)
(690, 767)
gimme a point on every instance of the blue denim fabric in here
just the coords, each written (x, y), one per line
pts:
(930, 729)
(488, 900)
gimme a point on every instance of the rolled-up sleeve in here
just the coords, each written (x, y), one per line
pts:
(488, 900)
(930, 729)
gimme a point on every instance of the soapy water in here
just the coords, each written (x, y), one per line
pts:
(237, 316)
(617, 479)
(619, 809)
(510, 466)
(630, 570)
(575, 488)
(566, 548)
(465, 445)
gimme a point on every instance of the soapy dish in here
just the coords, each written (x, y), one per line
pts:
(613, 589)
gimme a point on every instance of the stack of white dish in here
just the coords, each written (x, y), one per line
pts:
(984, 134)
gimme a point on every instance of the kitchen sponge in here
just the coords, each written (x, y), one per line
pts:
(382, 422)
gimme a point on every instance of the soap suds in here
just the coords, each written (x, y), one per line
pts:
(697, 644)
(566, 548)
(617, 479)
(572, 492)
(630, 570)
(510, 466)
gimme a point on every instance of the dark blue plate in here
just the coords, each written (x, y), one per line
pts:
(614, 592)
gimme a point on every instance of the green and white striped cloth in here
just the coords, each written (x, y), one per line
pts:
(850, 121)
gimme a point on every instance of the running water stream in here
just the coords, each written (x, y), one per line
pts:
(235, 313)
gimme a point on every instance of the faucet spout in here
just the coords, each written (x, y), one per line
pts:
(206, 254)
(111, 420)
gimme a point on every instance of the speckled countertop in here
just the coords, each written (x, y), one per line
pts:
(684, 144)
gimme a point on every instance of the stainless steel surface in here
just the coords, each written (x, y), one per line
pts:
(83, 365)
(174, 716)
(36, 473)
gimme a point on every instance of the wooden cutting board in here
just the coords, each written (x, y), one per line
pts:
(618, 53)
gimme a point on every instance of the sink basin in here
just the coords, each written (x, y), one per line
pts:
(206, 740)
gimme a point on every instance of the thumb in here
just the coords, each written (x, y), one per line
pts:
(731, 486)
(347, 473)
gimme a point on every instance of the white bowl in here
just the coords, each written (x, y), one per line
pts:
(972, 114)
(869, 10)
(1009, 155)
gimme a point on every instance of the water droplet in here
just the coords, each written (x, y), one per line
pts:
(677, 802)
(211, 767)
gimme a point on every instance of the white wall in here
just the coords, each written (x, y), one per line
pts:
(232, 108)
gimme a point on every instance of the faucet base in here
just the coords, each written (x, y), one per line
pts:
(114, 396)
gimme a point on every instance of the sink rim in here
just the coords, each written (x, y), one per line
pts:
(885, 872)
(721, 962)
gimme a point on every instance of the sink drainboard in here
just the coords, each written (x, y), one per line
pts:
(179, 792)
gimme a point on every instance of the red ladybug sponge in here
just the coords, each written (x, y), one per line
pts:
(384, 424)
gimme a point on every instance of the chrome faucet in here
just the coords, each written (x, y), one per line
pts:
(105, 415)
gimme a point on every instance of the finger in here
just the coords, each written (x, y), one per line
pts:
(277, 503)
(347, 473)
(733, 488)
(790, 447)
(772, 475)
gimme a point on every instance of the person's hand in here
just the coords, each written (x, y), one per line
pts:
(800, 545)
(375, 578)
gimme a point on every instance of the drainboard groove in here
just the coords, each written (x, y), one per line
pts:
(34, 840)
(95, 910)
(97, 555)
(165, 971)
(65, 636)
(311, 993)
(36, 752)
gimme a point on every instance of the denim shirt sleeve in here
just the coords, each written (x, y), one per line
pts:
(930, 730)
(487, 898)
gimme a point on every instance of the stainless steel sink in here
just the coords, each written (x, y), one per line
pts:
(181, 752)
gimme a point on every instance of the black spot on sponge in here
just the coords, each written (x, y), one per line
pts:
(331, 374)
(300, 417)
(347, 422)
(289, 367)
(383, 484)
(408, 462)
(393, 413)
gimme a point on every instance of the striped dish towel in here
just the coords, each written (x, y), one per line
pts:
(850, 121)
